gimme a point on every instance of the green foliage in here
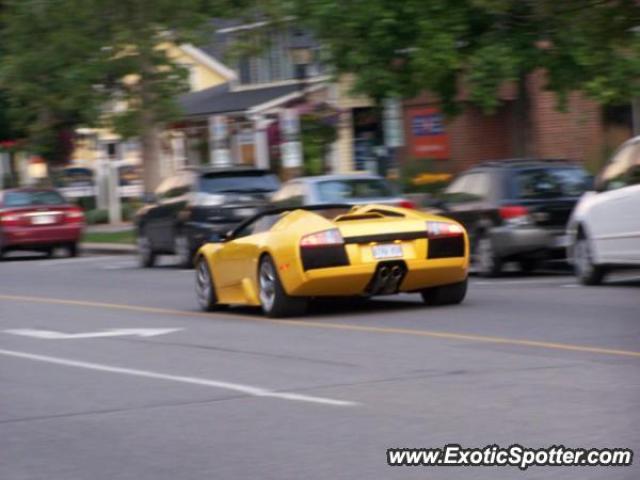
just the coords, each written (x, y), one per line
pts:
(449, 47)
(64, 61)
(318, 132)
(96, 216)
(411, 169)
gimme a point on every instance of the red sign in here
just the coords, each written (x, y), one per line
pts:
(427, 135)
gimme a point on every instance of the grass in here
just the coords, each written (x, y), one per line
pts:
(124, 236)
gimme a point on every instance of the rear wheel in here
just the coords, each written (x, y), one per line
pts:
(485, 260)
(205, 288)
(586, 271)
(146, 255)
(72, 249)
(445, 294)
(274, 300)
(527, 265)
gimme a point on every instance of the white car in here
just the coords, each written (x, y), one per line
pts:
(604, 229)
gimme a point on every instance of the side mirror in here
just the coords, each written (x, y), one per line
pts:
(217, 237)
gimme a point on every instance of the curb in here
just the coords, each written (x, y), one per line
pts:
(108, 248)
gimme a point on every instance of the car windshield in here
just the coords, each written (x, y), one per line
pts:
(254, 182)
(336, 191)
(550, 182)
(27, 199)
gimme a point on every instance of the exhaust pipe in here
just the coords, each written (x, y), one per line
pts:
(384, 273)
(396, 272)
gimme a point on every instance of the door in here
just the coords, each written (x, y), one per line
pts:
(238, 258)
(153, 217)
(614, 218)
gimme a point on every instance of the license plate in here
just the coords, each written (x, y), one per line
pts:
(42, 219)
(387, 251)
(561, 241)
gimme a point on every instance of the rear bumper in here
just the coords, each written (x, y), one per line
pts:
(16, 237)
(511, 241)
(353, 280)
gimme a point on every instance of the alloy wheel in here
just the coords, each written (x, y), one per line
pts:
(267, 278)
(203, 284)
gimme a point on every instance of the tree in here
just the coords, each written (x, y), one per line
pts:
(66, 60)
(475, 46)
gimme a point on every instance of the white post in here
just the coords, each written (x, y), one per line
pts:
(260, 141)
(115, 210)
(219, 141)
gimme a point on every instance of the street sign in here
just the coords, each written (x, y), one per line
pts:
(291, 148)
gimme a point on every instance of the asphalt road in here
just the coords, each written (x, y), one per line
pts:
(536, 360)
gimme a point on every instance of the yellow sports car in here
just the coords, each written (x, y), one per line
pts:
(280, 259)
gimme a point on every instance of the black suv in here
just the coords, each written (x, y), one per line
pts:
(515, 210)
(190, 206)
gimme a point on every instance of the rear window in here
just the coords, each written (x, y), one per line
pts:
(27, 199)
(246, 182)
(550, 182)
(336, 191)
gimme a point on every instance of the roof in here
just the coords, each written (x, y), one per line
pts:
(344, 176)
(225, 170)
(524, 162)
(219, 99)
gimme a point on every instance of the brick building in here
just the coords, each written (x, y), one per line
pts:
(580, 133)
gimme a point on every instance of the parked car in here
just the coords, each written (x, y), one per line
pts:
(515, 210)
(191, 205)
(352, 189)
(281, 258)
(604, 230)
(39, 219)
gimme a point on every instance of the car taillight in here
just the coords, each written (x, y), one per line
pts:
(443, 229)
(9, 219)
(512, 211)
(515, 214)
(407, 204)
(74, 216)
(319, 239)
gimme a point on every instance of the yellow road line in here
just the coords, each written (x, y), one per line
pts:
(335, 326)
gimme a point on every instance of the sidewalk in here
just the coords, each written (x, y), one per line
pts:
(94, 248)
(108, 248)
(108, 228)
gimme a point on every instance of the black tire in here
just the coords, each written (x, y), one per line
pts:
(205, 287)
(275, 302)
(528, 265)
(146, 255)
(183, 251)
(485, 260)
(72, 249)
(585, 270)
(446, 294)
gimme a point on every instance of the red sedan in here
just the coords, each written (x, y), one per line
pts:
(38, 219)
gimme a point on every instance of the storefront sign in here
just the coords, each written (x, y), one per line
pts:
(428, 138)
(291, 148)
(219, 141)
